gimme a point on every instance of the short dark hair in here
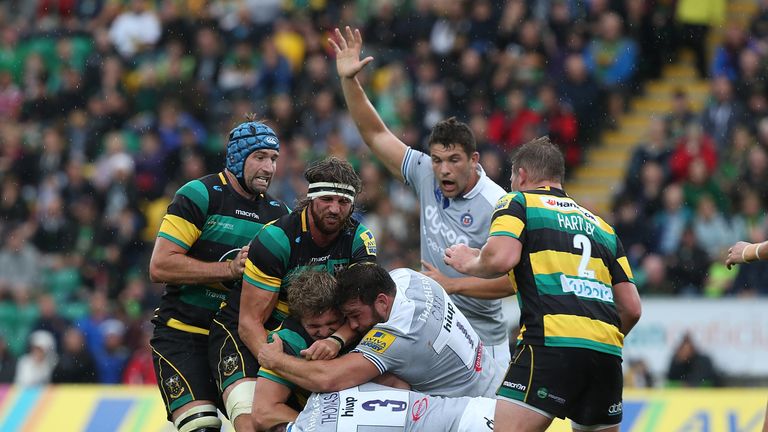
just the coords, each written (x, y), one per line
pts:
(363, 282)
(450, 132)
(310, 293)
(541, 159)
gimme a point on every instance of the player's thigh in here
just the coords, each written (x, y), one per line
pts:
(180, 360)
(600, 405)
(538, 377)
(516, 416)
(229, 358)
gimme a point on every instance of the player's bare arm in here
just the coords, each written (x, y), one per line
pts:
(489, 289)
(170, 264)
(320, 375)
(384, 144)
(269, 407)
(256, 305)
(497, 257)
(744, 252)
(627, 302)
(329, 348)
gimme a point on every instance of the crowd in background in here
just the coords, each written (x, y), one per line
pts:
(108, 106)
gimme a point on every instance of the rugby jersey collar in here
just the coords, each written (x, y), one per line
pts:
(478, 186)
(552, 191)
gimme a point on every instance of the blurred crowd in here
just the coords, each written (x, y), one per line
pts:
(108, 106)
(697, 184)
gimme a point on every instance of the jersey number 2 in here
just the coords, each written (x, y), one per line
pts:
(580, 241)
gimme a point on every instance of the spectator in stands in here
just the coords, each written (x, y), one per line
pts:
(633, 230)
(612, 59)
(722, 113)
(139, 369)
(36, 366)
(112, 356)
(681, 116)
(638, 375)
(713, 232)
(727, 60)
(7, 362)
(655, 148)
(510, 126)
(558, 121)
(694, 145)
(695, 18)
(19, 263)
(581, 92)
(700, 183)
(671, 221)
(688, 265)
(136, 29)
(76, 364)
(689, 367)
(655, 279)
(50, 320)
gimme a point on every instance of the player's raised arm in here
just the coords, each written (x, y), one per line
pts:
(384, 144)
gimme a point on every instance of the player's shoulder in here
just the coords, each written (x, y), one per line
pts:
(488, 191)
(509, 198)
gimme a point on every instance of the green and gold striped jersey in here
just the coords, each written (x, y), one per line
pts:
(570, 260)
(284, 248)
(212, 222)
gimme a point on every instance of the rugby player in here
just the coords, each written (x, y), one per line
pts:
(319, 235)
(378, 408)
(313, 315)
(455, 196)
(200, 255)
(578, 300)
(412, 330)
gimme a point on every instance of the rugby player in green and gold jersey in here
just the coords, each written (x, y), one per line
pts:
(200, 255)
(319, 235)
(576, 296)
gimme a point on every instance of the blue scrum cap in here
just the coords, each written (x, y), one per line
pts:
(245, 139)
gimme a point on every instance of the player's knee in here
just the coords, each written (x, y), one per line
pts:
(200, 418)
(240, 399)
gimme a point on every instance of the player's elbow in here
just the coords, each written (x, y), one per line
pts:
(323, 383)
(261, 416)
(156, 273)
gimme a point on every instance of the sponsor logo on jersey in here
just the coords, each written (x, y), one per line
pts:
(250, 214)
(330, 408)
(565, 204)
(174, 387)
(274, 203)
(217, 188)
(542, 392)
(504, 201)
(514, 386)
(378, 340)
(437, 227)
(369, 241)
(349, 407)
(419, 408)
(479, 358)
(466, 219)
(230, 364)
(615, 409)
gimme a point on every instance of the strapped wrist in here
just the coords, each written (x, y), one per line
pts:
(757, 251)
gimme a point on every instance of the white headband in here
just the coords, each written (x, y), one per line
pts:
(319, 189)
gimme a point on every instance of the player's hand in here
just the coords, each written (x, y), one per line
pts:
(735, 253)
(323, 349)
(459, 255)
(237, 265)
(269, 353)
(437, 275)
(347, 50)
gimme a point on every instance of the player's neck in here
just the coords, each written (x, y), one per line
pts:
(543, 184)
(473, 180)
(237, 187)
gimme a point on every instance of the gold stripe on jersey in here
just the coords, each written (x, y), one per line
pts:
(554, 262)
(535, 200)
(579, 327)
(624, 263)
(507, 225)
(178, 325)
(282, 306)
(180, 229)
(258, 278)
